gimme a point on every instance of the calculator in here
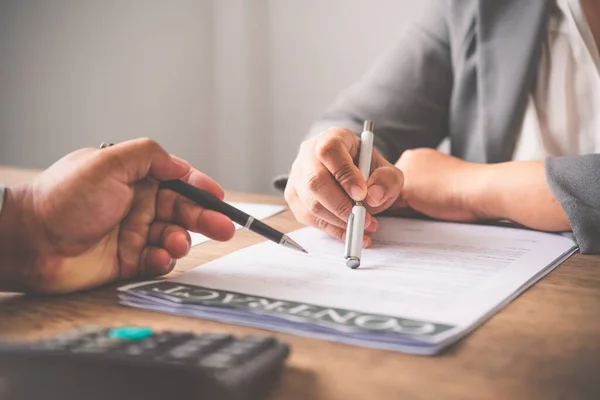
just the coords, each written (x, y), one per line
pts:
(132, 363)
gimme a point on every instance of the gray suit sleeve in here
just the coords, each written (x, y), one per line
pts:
(574, 183)
(406, 93)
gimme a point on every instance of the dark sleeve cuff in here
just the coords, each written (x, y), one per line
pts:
(280, 181)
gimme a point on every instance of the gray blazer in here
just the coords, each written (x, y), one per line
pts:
(464, 71)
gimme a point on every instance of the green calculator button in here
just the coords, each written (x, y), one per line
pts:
(130, 333)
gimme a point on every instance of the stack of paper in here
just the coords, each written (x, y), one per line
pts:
(258, 211)
(422, 285)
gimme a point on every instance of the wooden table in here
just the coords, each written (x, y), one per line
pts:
(544, 345)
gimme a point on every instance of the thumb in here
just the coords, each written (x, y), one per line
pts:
(335, 151)
(135, 159)
(384, 186)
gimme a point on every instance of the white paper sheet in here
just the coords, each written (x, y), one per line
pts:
(434, 271)
(258, 211)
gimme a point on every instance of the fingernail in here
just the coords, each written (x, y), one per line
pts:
(170, 267)
(357, 192)
(376, 193)
(372, 227)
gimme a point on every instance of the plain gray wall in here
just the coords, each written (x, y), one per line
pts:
(230, 85)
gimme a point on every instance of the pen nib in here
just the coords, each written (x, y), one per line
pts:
(289, 243)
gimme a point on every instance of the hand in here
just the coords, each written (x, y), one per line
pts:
(98, 216)
(324, 183)
(441, 186)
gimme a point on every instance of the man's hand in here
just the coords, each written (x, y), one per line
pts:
(97, 216)
(324, 181)
(441, 186)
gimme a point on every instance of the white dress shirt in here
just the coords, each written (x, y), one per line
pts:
(563, 114)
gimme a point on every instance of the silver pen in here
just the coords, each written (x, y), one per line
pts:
(356, 220)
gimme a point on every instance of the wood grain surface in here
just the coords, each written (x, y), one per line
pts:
(544, 345)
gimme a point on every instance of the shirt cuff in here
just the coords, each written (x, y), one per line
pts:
(280, 181)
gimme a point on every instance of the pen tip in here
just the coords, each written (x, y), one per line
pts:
(287, 242)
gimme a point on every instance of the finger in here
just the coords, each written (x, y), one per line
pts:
(318, 210)
(181, 211)
(194, 178)
(306, 218)
(172, 207)
(323, 197)
(384, 186)
(135, 159)
(173, 238)
(315, 210)
(134, 227)
(204, 182)
(155, 261)
(339, 233)
(334, 231)
(334, 151)
(313, 185)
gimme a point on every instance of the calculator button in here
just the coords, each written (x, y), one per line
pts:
(248, 347)
(146, 347)
(216, 336)
(134, 351)
(85, 332)
(130, 333)
(99, 345)
(215, 340)
(163, 337)
(198, 347)
(70, 340)
(106, 341)
(88, 349)
(188, 349)
(241, 351)
(177, 338)
(154, 346)
(218, 361)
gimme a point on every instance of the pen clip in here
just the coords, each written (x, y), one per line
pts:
(349, 231)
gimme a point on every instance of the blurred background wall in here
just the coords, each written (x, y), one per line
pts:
(230, 85)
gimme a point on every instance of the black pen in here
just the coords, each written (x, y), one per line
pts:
(210, 202)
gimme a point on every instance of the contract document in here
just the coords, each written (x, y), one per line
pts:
(421, 286)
